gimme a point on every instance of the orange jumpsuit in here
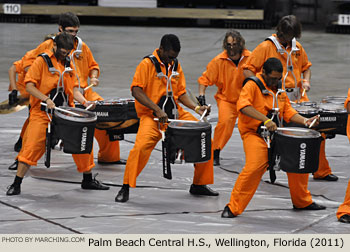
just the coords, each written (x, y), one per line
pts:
(256, 150)
(33, 146)
(345, 207)
(255, 62)
(109, 150)
(228, 77)
(148, 134)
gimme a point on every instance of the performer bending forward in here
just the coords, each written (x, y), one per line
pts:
(253, 106)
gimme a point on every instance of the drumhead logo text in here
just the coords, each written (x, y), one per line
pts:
(83, 139)
(203, 145)
(302, 156)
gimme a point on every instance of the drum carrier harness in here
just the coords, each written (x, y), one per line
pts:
(168, 105)
(293, 93)
(274, 116)
(167, 102)
(58, 96)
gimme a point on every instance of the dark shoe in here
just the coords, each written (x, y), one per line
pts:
(217, 157)
(330, 177)
(93, 184)
(123, 194)
(202, 190)
(312, 206)
(120, 162)
(18, 145)
(13, 190)
(345, 218)
(14, 165)
(227, 213)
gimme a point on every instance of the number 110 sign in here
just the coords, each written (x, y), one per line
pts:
(12, 8)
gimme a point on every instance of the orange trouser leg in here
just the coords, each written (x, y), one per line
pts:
(248, 180)
(147, 137)
(345, 207)
(300, 195)
(203, 172)
(33, 145)
(224, 128)
(84, 162)
(323, 166)
(109, 150)
(24, 127)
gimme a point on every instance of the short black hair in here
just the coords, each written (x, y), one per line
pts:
(68, 19)
(272, 64)
(170, 42)
(65, 41)
(289, 25)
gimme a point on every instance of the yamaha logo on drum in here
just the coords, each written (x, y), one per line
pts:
(328, 119)
(203, 145)
(302, 156)
(83, 138)
(102, 114)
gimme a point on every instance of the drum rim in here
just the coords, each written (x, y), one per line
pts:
(199, 124)
(59, 114)
(316, 133)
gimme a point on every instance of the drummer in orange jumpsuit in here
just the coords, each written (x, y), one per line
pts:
(16, 77)
(226, 72)
(253, 106)
(86, 66)
(39, 83)
(343, 213)
(287, 29)
(148, 89)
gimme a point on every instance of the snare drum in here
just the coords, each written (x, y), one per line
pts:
(194, 139)
(333, 118)
(117, 116)
(307, 111)
(76, 132)
(297, 150)
(334, 99)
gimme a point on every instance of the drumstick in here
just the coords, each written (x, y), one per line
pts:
(62, 110)
(175, 120)
(205, 111)
(303, 92)
(290, 129)
(88, 107)
(91, 85)
(313, 122)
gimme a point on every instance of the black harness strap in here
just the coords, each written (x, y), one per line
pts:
(157, 64)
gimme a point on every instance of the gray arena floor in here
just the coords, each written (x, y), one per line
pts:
(52, 201)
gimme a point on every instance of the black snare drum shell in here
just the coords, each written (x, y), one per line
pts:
(196, 143)
(298, 155)
(77, 137)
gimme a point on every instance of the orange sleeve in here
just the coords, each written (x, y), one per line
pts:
(34, 73)
(247, 95)
(141, 73)
(347, 99)
(181, 84)
(31, 55)
(257, 58)
(19, 66)
(288, 110)
(210, 75)
(91, 61)
(306, 64)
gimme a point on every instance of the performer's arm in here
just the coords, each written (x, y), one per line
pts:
(142, 98)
